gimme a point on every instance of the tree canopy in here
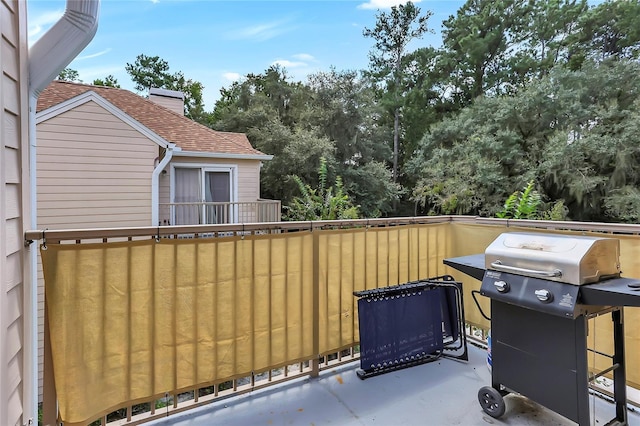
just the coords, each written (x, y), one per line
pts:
(572, 132)
(392, 34)
(153, 72)
(109, 81)
(69, 74)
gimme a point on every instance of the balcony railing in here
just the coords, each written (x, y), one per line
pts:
(211, 213)
(147, 319)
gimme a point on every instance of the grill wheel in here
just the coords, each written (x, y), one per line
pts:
(491, 401)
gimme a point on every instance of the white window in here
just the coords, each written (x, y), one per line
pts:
(203, 195)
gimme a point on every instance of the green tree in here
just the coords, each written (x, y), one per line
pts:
(477, 42)
(425, 102)
(392, 34)
(295, 152)
(69, 74)
(543, 38)
(333, 116)
(596, 169)
(149, 72)
(321, 203)
(153, 72)
(193, 97)
(109, 81)
(271, 110)
(573, 132)
(610, 29)
(342, 107)
(261, 97)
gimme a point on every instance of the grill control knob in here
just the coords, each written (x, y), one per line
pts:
(502, 286)
(545, 296)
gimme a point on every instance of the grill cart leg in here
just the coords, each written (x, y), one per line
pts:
(619, 374)
(491, 401)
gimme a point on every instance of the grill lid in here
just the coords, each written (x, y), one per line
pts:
(562, 258)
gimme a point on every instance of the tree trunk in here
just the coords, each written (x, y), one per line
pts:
(396, 131)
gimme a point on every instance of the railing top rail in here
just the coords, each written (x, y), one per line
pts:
(163, 231)
(199, 203)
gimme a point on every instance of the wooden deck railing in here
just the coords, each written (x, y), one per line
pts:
(337, 257)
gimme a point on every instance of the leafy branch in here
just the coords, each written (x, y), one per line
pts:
(322, 203)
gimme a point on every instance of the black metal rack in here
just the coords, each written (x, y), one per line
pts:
(410, 324)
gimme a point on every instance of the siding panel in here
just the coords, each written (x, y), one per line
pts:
(91, 196)
(13, 379)
(106, 221)
(11, 97)
(13, 270)
(13, 201)
(14, 340)
(9, 27)
(13, 236)
(12, 165)
(14, 304)
(15, 406)
(10, 131)
(9, 67)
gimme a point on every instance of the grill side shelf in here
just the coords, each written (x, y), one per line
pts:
(614, 292)
(472, 265)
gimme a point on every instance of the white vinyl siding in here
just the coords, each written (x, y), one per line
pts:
(93, 171)
(14, 353)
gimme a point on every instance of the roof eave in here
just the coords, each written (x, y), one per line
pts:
(200, 154)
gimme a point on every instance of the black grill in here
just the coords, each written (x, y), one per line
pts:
(539, 338)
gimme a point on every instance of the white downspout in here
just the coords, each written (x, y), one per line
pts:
(155, 184)
(47, 57)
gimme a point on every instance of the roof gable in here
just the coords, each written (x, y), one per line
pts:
(166, 125)
(91, 96)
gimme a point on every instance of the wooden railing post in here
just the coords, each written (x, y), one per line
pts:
(315, 362)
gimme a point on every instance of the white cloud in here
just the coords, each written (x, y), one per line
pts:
(305, 57)
(261, 32)
(94, 55)
(231, 76)
(288, 64)
(383, 4)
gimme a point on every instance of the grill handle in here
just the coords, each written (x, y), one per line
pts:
(531, 272)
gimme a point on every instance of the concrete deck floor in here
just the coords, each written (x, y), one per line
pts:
(438, 393)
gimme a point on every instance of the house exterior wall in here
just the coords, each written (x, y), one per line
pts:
(14, 215)
(93, 171)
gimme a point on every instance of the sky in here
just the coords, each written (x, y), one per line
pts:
(217, 42)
